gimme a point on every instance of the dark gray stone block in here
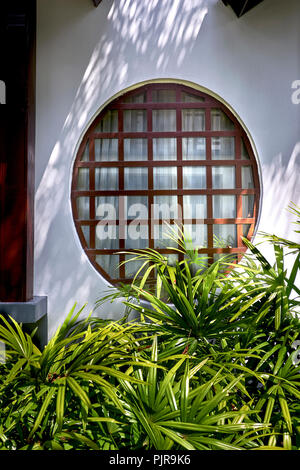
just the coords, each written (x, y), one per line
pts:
(31, 314)
(26, 312)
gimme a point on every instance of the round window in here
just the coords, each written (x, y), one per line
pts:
(163, 153)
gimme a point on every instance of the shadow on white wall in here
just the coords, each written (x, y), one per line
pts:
(162, 33)
(281, 186)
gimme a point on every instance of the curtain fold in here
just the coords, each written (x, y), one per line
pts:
(136, 178)
(164, 149)
(193, 148)
(106, 150)
(135, 120)
(193, 120)
(247, 177)
(222, 148)
(164, 120)
(224, 235)
(194, 177)
(223, 177)
(165, 177)
(135, 149)
(224, 207)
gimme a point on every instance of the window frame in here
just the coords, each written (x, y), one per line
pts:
(209, 102)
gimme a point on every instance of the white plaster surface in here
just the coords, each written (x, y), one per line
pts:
(86, 55)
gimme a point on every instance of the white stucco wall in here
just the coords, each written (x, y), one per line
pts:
(86, 55)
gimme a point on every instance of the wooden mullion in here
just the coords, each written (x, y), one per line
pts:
(111, 251)
(92, 200)
(150, 170)
(209, 197)
(164, 105)
(166, 250)
(163, 192)
(244, 221)
(239, 197)
(168, 134)
(144, 163)
(208, 103)
(122, 228)
(180, 163)
(201, 94)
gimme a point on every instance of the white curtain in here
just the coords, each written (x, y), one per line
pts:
(193, 120)
(85, 157)
(193, 148)
(86, 233)
(109, 122)
(244, 151)
(246, 228)
(164, 149)
(136, 178)
(224, 207)
(165, 177)
(137, 237)
(194, 207)
(247, 177)
(83, 207)
(248, 205)
(189, 98)
(110, 264)
(137, 98)
(107, 236)
(163, 235)
(163, 96)
(196, 235)
(164, 120)
(222, 148)
(225, 235)
(135, 120)
(132, 267)
(220, 121)
(135, 149)
(107, 204)
(223, 177)
(107, 179)
(106, 150)
(165, 207)
(83, 182)
(136, 207)
(194, 177)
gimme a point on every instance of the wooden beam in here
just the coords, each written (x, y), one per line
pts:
(240, 7)
(17, 136)
(96, 2)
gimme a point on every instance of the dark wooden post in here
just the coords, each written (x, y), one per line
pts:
(17, 144)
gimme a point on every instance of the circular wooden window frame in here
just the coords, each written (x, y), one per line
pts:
(207, 104)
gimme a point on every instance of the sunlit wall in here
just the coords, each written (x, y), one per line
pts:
(87, 55)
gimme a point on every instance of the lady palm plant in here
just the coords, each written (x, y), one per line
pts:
(246, 321)
(188, 301)
(215, 369)
(188, 404)
(102, 388)
(77, 370)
